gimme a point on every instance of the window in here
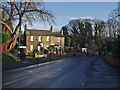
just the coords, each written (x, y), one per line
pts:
(39, 48)
(31, 48)
(60, 47)
(41, 44)
(31, 38)
(48, 39)
(40, 39)
(47, 46)
(59, 39)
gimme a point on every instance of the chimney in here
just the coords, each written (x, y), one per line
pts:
(61, 32)
(51, 29)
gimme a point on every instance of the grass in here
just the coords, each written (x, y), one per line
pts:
(39, 60)
(9, 58)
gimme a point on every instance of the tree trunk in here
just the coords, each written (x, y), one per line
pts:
(13, 41)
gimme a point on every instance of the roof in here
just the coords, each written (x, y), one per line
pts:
(43, 33)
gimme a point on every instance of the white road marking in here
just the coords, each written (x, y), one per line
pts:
(27, 68)
(16, 80)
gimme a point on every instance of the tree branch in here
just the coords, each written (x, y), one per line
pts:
(6, 26)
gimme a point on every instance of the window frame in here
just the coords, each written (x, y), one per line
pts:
(59, 39)
(32, 48)
(48, 40)
(40, 38)
(31, 38)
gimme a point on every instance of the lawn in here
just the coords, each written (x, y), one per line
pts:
(9, 58)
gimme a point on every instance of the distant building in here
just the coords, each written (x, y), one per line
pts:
(43, 38)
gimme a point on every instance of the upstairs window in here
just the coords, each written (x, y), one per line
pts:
(59, 39)
(31, 48)
(40, 39)
(31, 38)
(48, 39)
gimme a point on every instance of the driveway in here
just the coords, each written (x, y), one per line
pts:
(75, 72)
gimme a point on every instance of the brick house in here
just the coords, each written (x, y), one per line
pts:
(43, 38)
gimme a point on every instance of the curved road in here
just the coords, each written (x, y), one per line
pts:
(75, 72)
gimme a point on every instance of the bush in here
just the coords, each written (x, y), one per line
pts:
(66, 49)
(45, 51)
(77, 49)
(5, 38)
(24, 51)
(62, 50)
(114, 48)
(40, 53)
(71, 49)
(42, 49)
(52, 48)
(30, 53)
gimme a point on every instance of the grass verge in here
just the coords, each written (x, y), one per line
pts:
(9, 58)
(40, 60)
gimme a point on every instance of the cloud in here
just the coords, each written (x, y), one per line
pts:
(72, 18)
(85, 17)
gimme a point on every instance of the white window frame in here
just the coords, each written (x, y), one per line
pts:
(31, 48)
(31, 38)
(39, 48)
(59, 39)
(40, 38)
(41, 44)
(48, 39)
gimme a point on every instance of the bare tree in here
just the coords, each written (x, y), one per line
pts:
(23, 12)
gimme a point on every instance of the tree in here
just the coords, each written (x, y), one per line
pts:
(23, 12)
(114, 21)
(66, 35)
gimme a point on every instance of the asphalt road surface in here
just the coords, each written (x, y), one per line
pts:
(75, 72)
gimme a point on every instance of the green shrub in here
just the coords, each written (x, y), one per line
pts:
(52, 48)
(42, 49)
(24, 51)
(70, 49)
(114, 48)
(40, 53)
(5, 38)
(62, 50)
(66, 48)
(45, 51)
(77, 49)
(30, 53)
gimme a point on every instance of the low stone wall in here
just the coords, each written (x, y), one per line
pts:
(38, 56)
(113, 62)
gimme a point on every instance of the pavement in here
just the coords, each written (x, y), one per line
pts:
(75, 72)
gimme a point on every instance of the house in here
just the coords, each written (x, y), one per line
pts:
(43, 38)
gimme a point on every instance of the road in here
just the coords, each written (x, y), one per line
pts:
(75, 72)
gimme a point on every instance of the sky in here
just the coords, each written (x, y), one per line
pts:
(66, 11)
